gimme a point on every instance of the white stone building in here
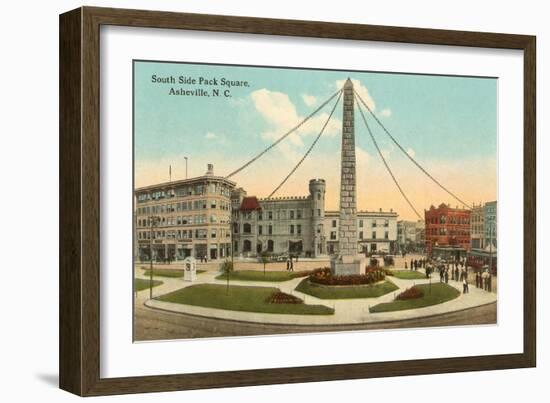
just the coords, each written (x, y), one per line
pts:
(376, 231)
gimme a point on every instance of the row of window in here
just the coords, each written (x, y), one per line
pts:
(445, 231)
(448, 220)
(247, 246)
(183, 234)
(247, 229)
(361, 223)
(187, 190)
(361, 235)
(185, 206)
(185, 220)
(269, 215)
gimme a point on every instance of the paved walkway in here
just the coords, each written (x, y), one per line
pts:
(347, 311)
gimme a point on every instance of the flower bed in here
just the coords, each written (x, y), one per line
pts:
(306, 273)
(280, 297)
(411, 293)
(325, 277)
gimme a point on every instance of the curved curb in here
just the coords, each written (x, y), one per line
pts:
(430, 316)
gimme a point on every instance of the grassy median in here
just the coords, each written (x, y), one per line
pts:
(408, 274)
(173, 273)
(259, 275)
(239, 298)
(436, 294)
(142, 284)
(345, 292)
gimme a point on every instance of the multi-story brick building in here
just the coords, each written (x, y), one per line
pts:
(490, 224)
(447, 231)
(192, 217)
(477, 227)
(484, 245)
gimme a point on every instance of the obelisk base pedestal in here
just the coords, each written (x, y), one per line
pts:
(347, 265)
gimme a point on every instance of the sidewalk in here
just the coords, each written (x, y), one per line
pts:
(347, 311)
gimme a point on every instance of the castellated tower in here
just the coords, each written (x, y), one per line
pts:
(348, 261)
(317, 188)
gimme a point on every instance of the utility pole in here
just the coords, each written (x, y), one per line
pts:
(491, 250)
(152, 223)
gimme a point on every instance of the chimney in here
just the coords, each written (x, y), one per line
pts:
(210, 170)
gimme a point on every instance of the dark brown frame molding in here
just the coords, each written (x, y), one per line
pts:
(79, 200)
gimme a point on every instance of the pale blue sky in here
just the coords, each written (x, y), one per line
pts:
(443, 120)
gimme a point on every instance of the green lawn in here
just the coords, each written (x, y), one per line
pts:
(258, 275)
(439, 293)
(408, 274)
(142, 284)
(345, 292)
(174, 273)
(239, 298)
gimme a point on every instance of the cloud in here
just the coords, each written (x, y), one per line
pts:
(361, 90)
(281, 115)
(309, 100)
(220, 138)
(385, 113)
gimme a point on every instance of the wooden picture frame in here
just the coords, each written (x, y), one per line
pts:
(79, 317)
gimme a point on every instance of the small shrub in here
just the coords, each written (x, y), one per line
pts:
(306, 273)
(411, 293)
(280, 297)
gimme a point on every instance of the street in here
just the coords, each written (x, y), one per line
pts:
(157, 325)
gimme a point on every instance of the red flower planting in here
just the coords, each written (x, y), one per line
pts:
(325, 277)
(280, 297)
(411, 293)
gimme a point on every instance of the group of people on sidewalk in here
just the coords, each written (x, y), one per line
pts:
(416, 264)
(484, 280)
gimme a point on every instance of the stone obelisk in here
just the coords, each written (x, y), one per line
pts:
(348, 260)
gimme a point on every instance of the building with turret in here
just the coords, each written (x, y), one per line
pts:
(280, 225)
(300, 226)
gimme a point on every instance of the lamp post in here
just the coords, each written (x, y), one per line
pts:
(185, 167)
(153, 220)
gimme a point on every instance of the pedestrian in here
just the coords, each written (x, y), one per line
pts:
(484, 280)
(406, 265)
(465, 288)
(287, 265)
(291, 265)
(490, 283)
(446, 276)
(412, 264)
(477, 279)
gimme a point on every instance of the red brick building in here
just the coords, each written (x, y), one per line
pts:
(447, 231)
